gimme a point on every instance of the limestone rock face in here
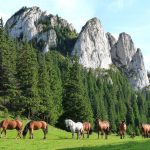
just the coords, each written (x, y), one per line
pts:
(129, 59)
(34, 24)
(111, 39)
(92, 46)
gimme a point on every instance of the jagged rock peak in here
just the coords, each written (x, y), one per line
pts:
(111, 39)
(129, 59)
(32, 23)
(92, 46)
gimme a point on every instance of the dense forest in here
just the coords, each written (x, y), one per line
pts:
(53, 87)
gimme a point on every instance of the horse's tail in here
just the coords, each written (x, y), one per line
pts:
(46, 130)
(26, 128)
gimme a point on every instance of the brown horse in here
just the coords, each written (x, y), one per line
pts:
(87, 129)
(10, 125)
(145, 129)
(35, 125)
(103, 127)
(122, 129)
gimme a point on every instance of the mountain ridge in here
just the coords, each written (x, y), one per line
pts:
(94, 47)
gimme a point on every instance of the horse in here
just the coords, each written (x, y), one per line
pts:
(87, 128)
(103, 127)
(74, 127)
(145, 129)
(35, 125)
(122, 129)
(10, 125)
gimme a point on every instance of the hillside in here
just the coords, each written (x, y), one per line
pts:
(94, 47)
(60, 139)
(53, 84)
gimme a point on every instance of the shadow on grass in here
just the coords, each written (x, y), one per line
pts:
(125, 146)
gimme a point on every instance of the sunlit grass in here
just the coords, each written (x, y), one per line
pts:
(60, 139)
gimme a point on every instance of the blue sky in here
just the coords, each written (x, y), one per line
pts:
(116, 16)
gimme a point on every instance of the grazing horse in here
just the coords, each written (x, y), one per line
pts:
(35, 125)
(10, 125)
(122, 129)
(74, 127)
(87, 128)
(103, 127)
(145, 129)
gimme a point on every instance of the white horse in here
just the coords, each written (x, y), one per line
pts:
(74, 127)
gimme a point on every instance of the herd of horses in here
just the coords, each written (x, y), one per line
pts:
(103, 128)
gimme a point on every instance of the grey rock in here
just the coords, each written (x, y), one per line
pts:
(129, 59)
(32, 23)
(92, 46)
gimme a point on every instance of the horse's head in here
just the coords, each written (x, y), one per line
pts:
(69, 123)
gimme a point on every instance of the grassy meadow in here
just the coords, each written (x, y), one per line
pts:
(61, 140)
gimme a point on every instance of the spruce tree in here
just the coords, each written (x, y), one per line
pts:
(75, 103)
(27, 74)
(8, 89)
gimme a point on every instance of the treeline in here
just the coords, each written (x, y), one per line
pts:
(54, 87)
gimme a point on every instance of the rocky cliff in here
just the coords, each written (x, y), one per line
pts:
(92, 46)
(34, 24)
(129, 59)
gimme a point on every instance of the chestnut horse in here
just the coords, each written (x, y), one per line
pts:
(35, 125)
(103, 127)
(122, 129)
(10, 125)
(87, 129)
(145, 129)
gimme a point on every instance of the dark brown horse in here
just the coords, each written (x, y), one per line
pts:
(145, 129)
(87, 129)
(35, 125)
(103, 127)
(10, 125)
(122, 129)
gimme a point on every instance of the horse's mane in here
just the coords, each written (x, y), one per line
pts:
(26, 128)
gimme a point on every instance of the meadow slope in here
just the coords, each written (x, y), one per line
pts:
(60, 140)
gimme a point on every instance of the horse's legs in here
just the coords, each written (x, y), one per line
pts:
(2, 132)
(78, 134)
(5, 132)
(88, 134)
(73, 135)
(44, 131)
(30, 134)
(18, 134)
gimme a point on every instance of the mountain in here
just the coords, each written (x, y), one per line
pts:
(94, 47)
(129, 59)
(45, 30)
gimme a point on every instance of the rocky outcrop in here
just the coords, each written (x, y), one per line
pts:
(129, 59)
(34, 24)
(111, 39)
(92, 46)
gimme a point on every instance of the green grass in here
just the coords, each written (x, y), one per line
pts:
(61, 140)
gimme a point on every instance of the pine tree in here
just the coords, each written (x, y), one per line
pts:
(75, 103)
(27, 74)
(8, 89)
(55, 86)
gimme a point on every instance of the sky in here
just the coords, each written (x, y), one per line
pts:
(116, 16)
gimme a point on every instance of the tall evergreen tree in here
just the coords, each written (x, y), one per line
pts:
(76, 105)
(27, 74)
(8, 89)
